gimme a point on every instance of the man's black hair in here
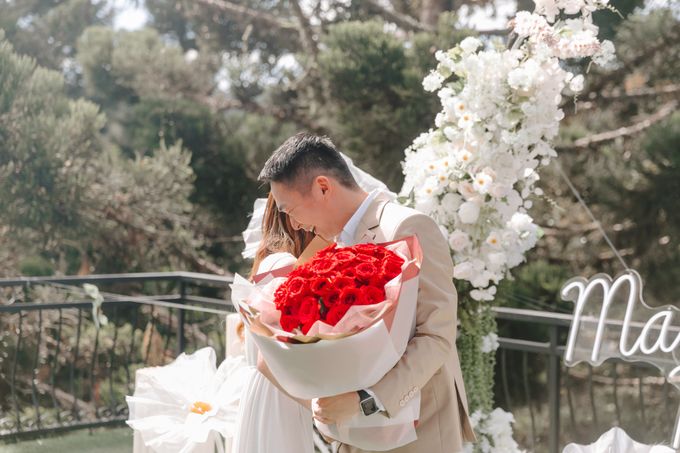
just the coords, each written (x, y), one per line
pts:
(304, 156)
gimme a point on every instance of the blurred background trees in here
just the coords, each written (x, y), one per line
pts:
(138, 150)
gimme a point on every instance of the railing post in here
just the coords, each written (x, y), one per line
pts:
(181, 345)
(554, 360)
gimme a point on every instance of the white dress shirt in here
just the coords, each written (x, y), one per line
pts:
(346, 236)
(346, 239)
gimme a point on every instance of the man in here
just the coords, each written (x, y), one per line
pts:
(311, 183)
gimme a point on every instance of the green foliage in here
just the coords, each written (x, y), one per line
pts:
(476, 321)
(649, 201)
(609, 20)
(125, 66)
(48, 30)
(220, 156)
(63, 188)
(35, 266)
(652, 38)
(374, 114)
(536, 286)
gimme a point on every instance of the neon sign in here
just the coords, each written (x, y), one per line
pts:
(611, 320)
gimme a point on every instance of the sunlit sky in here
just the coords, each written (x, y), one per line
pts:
(132, 16)
(129, 17)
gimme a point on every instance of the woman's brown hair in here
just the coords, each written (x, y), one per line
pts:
(278, 235)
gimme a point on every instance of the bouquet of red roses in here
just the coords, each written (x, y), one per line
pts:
(325, 288)
(337, 324)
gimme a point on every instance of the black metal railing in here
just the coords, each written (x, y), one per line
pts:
(58, 371)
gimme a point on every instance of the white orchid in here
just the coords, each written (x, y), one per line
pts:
(497, 426)
(500, 112)
(476, 171)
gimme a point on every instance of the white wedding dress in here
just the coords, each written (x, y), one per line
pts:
(270, 421)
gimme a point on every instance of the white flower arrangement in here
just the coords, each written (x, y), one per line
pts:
(475, 172)
(496, 430)
(490, 342)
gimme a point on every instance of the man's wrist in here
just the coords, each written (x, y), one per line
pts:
(367, 402)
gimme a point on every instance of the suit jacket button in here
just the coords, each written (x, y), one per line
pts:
(411, 393)
(402, 403)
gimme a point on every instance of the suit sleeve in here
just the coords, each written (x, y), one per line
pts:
(435, 332)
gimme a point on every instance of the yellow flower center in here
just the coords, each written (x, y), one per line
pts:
(200, 407)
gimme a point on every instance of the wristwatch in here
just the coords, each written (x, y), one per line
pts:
(367, 403)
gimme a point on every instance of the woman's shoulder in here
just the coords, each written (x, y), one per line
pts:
(275, 261)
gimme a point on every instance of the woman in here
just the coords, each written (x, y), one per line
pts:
(270, 421)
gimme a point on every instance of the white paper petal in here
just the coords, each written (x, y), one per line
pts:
(160, 408)
(616, 440)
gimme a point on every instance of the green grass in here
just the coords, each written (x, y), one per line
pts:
(100, 440)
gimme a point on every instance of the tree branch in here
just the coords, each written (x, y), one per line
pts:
(306, 32)
(233, 8)
(628, 66)
(626, 131)
(402, 20)
(670, 89)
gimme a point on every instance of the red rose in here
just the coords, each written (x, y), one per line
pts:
(342, 282)
(281, 296)
(334, 280)
(327, 251)
(306, 325)
(344, 256)
(303, 271)
(319, 285)
(331, 298)
(373, 295)
(368, 249)
(289, 323)
(392, 267)
(350, 273)
(365, 271)
(352, 296)
(297, 287)
(322, 266)
(336, 313)
(309, 310)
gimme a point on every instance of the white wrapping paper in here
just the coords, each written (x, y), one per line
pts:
(332, 367)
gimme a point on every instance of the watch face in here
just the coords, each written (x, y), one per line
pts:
(368, 406)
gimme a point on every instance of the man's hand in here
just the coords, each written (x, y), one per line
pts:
(336, 408)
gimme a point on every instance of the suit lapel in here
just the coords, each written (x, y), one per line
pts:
(371, 219)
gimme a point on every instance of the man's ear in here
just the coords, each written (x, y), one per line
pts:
(323, 184)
